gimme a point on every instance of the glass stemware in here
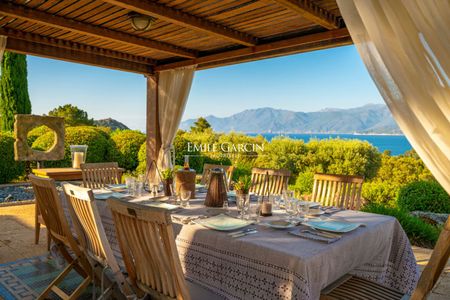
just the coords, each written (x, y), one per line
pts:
(243, 202)
(185, 196)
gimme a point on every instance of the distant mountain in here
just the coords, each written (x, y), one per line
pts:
(111, 123)
(370, 118)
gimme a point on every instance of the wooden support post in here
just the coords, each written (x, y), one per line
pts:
(152, 126)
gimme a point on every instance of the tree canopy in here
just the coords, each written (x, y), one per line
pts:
(200, 125)
(14, 97)
(73, 116)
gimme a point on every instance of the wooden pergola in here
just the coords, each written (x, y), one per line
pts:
(206, 33)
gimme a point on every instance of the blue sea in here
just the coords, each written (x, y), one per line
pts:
(397, 144)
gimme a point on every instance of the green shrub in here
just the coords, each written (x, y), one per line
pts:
(419, 232)
(304, 183)
(424, 196)
(282, 153)
(99, 146)
(36, 132)
(127, 143)
(142, 159)
(180, 144)
(346, 157)
(402, 169)
(9, 168)
(381, 192)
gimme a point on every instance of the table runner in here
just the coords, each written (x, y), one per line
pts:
(273, 264)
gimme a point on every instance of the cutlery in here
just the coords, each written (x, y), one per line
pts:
(241, 231)
(322, 234)
(244, 234)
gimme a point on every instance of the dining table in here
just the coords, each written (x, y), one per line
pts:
(276, 264)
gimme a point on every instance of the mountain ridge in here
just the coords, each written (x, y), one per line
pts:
(369, 118)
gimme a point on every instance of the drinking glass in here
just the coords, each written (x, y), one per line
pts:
(255, 210)
(129, 182)
(138, 188)
(304, 210)
(291, 207)
(287, 195)
(174, 194)
(242, 203)
(185, 196)
(275, 200)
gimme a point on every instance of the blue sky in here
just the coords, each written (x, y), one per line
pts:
(304, 82)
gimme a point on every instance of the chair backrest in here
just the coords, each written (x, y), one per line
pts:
(338, 190)
(88, 224)
(147, 242)
(227, 169)
(435, 266)
(50, 207)
(269, 181)
(97, 175)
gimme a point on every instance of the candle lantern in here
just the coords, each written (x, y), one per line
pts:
(78, 153)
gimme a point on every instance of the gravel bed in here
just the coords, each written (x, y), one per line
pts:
(14, 193)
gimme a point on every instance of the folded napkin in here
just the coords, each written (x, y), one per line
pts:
(314, 237)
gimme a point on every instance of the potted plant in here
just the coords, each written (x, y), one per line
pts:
(242, 186)
(167, 178)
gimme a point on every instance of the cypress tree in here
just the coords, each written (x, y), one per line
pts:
(14, 98)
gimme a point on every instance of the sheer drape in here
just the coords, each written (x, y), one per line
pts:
(2, 47)
(173, 91)
(405, 45)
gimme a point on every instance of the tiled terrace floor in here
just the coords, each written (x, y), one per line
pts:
(17, 241)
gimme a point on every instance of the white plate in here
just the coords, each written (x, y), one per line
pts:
(161, 205)
(223, 222)
(311, 204)
(333, 225)
(104, 194)
(279, 224)
(315, 212)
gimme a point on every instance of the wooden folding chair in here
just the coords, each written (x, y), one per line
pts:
(338, 190)
(94, 244)
(351, 287)
(269, 181)
(53, 215)
(147, 242)
(207, 168)
(38, 221)
(97, 175)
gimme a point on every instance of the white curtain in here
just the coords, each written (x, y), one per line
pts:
(405, 45)
(2, 47)
(173, 91)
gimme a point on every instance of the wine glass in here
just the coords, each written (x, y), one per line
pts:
(185, 196)
(275, 200)
(242, 203)
(287, 195)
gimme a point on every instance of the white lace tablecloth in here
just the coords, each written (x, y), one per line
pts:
(273, 264)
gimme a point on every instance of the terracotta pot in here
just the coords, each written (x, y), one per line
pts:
(167, 183)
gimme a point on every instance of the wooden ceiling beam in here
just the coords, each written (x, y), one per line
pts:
(277, 53)
(312, 12)
(181, 18)
(36, 38)
(260, 50)
(26, 13)
(27, 47)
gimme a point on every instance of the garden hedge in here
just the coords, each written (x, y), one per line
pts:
(419, 232)
(127, 144)
(9, 168)
(99, 146)
(424, 196)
